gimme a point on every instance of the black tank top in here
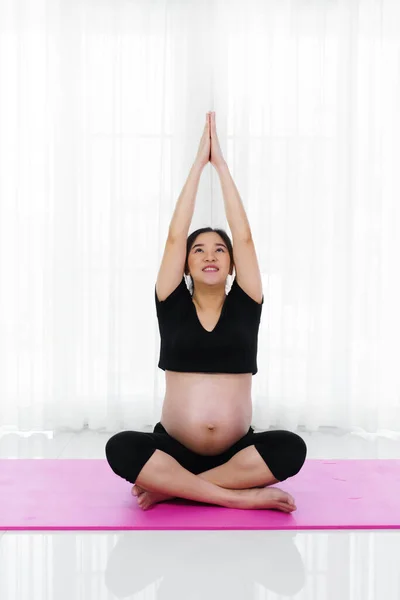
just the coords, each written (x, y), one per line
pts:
(231, 347)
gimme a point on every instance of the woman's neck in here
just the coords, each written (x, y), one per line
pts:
(209, 299)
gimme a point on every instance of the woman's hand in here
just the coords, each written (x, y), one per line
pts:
(203, 153)
(216, 157)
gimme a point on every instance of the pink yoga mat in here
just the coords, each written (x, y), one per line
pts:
(86, 494)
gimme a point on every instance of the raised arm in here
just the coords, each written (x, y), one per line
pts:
(183, 213)
(234, 209)
(184, 209)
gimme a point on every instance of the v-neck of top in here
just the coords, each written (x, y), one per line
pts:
(219, 319)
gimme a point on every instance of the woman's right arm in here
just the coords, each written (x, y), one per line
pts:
(183, 213)
(173, 262)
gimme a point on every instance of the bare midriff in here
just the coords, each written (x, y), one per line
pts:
(207, 412)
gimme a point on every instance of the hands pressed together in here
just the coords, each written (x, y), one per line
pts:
(209, 148)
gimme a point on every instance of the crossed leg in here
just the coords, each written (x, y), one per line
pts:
(245, 470)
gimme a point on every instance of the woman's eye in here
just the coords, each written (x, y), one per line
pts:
(222, 250)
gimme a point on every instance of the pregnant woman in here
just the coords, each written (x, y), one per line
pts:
(204, 447)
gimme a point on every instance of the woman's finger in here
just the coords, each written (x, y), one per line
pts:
(212, 122)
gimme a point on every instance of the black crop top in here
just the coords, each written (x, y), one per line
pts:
(231, 347)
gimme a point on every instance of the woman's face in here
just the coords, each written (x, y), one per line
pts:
(209, 249)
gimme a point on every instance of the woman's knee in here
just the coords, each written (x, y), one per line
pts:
(294, 452)
(127, 452)
(116, 446)
(284, 452)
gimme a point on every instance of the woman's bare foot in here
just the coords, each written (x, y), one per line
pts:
(137, 490)
(267, 497)
(146, 498)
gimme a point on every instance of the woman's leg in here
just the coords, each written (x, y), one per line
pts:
(163, 475)
(246, 469)
(128, 451)
(137, 457)
(260, 459)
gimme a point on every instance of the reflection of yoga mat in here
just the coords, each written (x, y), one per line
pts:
(86, 494)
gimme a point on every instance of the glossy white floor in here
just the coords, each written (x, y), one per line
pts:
(175, 565)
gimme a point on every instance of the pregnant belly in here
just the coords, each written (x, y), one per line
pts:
(204, 431)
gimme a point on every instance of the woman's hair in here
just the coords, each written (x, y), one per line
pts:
(191, 239)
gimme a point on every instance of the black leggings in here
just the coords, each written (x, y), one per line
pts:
(127, 452)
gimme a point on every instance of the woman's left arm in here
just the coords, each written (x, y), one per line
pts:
(234, 209)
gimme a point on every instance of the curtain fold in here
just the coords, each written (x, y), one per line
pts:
(102, 106)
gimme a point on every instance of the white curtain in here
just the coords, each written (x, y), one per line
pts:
(102, 105)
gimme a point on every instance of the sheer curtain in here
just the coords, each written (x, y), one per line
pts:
(102, 105)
